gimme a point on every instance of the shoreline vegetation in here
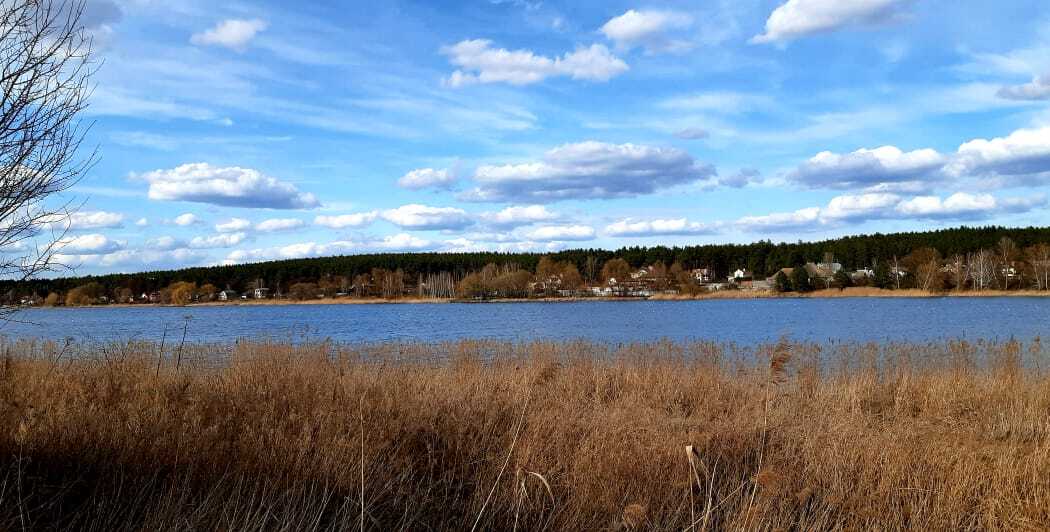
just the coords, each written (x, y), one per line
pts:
(947, 262)
(542, 435)
(830, 293)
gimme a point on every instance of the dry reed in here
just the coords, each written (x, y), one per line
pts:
(492, 435)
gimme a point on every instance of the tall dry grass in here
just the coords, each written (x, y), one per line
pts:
(497, 436)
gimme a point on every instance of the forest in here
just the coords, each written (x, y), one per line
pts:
(393, 274)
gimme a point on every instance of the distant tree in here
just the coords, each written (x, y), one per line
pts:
(303, 291)
(617, 269)
(181, 292)
(842, 280)
(800, 280)
(882, 277)
(781, 283)
(925, 263)
(1006, 254)
(570, 277)
(52, 300)
(82, 295)
(207, 292)
(1038, 257)
(471, 287)
(123, 295)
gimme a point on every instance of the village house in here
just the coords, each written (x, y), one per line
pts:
(261, 293)
(703, 275)
(227, 295)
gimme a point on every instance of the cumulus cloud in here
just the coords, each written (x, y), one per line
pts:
(427, 178)
(667, 227)
(135, 259)
(741, 178)
(799, 18)
(278, 224)
(398, 242)
(85, 220)
(516, 216)
(226, 186)
(865, 167)
(186, 220)
(561, 233)
(164, 243)
(649, 29)
(423, 217)
(224, 240)
(91, 244)
(141, 222)
(343, 221)
(1037, 89)
(479, 62)
(234, 225)
(588, 170)
(874, 206)
(1024, 155)
(231, 33)
(781, 221)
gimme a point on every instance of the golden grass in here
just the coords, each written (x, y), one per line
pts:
(498, 436)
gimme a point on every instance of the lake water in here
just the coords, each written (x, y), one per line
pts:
(744, 322)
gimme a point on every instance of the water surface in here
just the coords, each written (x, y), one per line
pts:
(744, 322)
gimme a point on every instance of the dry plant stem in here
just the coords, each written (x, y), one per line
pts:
(510, 453)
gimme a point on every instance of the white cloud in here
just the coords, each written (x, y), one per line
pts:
(718, 102)
(648, 29)
(164, 243)
(782, 221)
(798, 18)
(142, 222)
(743, 177)
(186, 219)
(860, 206)
(1037, 89)
(92, 244)
(278, 224)
(223, 240)
(234, 225)
(479, 62)
(588, 170)
(136, 258)
(230, 186)
(962, 205)
(1024, 154)
(668, 227)
(398, 242)
(415, 216)
(865, 167)
(427, 178)
(85, 220)
(231, 33)
(515, 216)
(342, 221)
(874, 206)
(560, 233)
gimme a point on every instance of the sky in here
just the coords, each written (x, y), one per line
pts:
(232, 132)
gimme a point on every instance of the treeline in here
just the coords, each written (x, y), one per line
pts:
(384, 274)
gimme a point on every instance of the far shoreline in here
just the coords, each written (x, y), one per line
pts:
(830, 293)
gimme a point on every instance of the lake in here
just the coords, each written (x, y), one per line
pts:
(744, 322)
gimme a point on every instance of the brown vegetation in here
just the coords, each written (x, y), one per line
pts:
(500, 436)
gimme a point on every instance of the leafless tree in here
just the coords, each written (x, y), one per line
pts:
(45, 70)
(1006, 254)
(981, 269)
(1039, 265)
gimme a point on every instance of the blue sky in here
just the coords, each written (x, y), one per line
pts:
(242, 131)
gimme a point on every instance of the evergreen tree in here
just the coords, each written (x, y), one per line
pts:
(883, 277)
(781, 283)
(800, 280)
(843, 280)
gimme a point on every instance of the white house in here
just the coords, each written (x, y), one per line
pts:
(227, 295)
(261, 293)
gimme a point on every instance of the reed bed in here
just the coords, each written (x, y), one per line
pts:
(480, 435)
